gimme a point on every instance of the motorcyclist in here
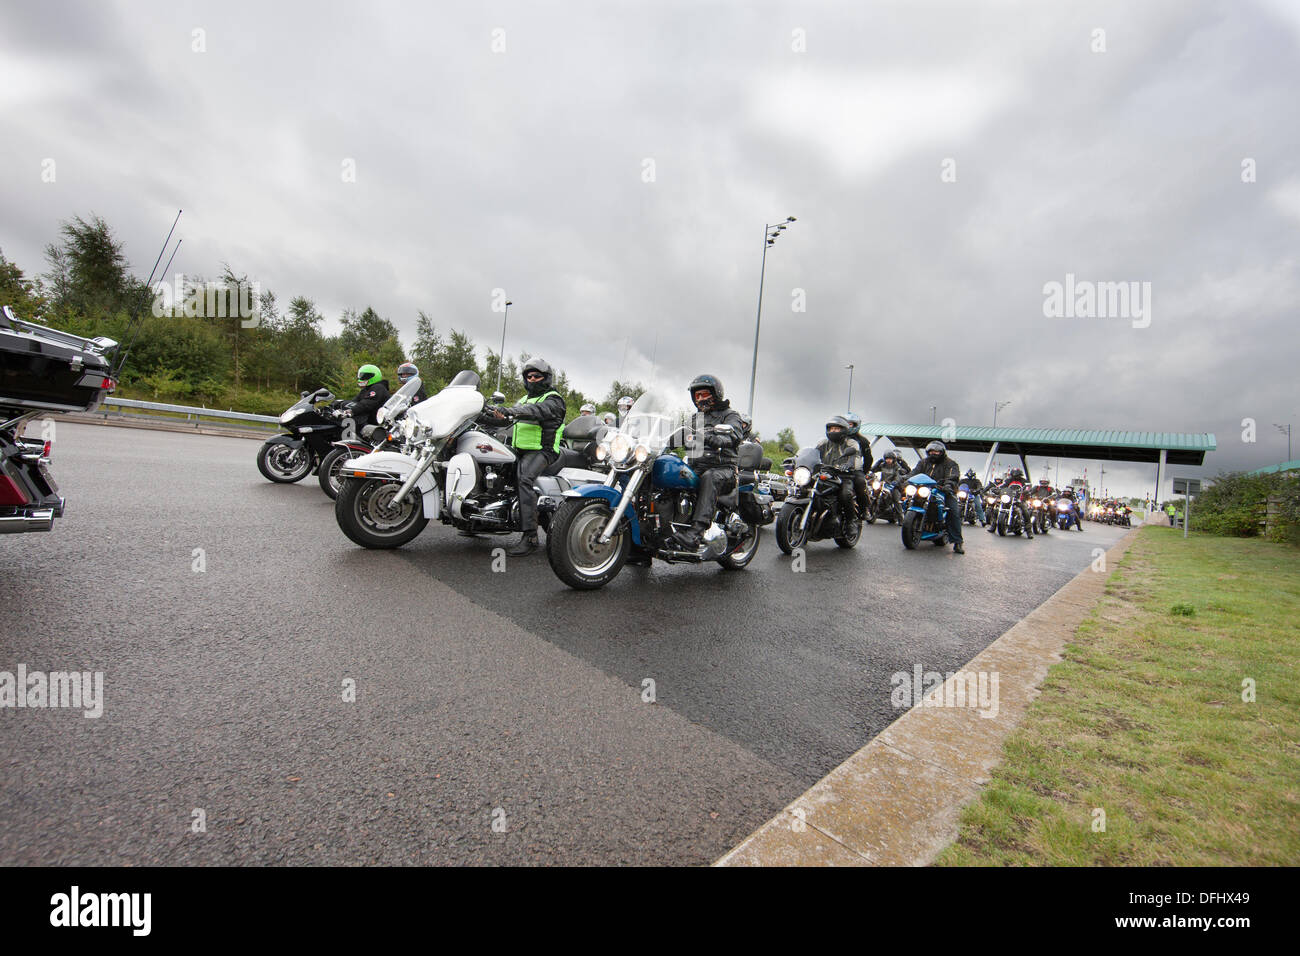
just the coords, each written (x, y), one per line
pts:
(840, 452)
(713, 455)
(937, 465)
(624, 406)
(976, 491)
(1068, 494)
(538, 418)
(892, 470)
(587, 409)
(860, 476)
(1017, 477)
(407, 371)
(371, 398)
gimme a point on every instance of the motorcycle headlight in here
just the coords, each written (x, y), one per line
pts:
(1005, 499)
(642, 453)
(802, 476)
(924, 491)
(961, 494)
(285, 417)
(875, 485)
(620, 449)
(1062, 506)
(909, 490)
(602, 450)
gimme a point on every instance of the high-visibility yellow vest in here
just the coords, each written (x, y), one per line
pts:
(527, 436)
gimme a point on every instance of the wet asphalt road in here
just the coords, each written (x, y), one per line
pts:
(498, 717)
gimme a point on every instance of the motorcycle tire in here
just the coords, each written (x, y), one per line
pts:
(327, 475)
(911, 530)
(1002, 526)
(358, 510)
(743, 553)
(583, 519)
(788, 537)
(850, 540)
(870, 516)
(269, 460)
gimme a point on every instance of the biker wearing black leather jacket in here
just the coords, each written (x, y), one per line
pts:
(860, 476)
(369, 400)
(714, 456)
(937, 465)
(840, 452)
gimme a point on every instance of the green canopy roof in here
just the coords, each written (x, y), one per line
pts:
(1180, 448)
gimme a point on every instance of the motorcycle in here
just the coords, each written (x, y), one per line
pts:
(42, 371)
(1067, 514)
(313, 428)
(882, 503)
(969, 514)
(926, 514)
(445, 468)
(649, 496)
(812, 510)
(1011, 512)
(1040, 517)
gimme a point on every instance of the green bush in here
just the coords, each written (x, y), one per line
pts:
(1233, 504)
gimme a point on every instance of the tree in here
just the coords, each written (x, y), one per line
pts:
(618, 389)
(786, 437)
(367, 333)
(89, 272)
(428, 343)
(17, 290)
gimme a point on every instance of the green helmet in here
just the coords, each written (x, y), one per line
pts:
(368, 375)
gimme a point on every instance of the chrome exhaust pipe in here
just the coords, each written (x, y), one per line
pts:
(42, 520)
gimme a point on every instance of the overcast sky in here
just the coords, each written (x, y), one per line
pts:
(611, 167)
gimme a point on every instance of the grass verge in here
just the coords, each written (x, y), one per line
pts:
(1148, 727)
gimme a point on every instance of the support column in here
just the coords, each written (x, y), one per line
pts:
(988, 463)
(1161, 464)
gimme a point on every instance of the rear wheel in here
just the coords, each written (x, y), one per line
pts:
(330, 467)
(788, 533)
(912, 529)
(282, 464)
(573, 544)
(366, 513)
(742, 553)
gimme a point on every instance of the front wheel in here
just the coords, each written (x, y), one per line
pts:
(850, 538)
(573, 545)
(788, 535)
(366, 513)
(1003, 521)
(912, 529)
(330, 467)
(284, 465)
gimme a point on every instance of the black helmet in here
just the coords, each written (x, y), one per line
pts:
(406, 370)
(542, 367)
(936, 451)
(894, 454)
(840, 423)
(855, 422)
(970, 472)
(712, 383)
(1015, 474)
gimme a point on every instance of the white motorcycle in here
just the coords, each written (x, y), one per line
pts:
(448, 469)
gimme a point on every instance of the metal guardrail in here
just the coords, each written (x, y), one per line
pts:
(190, 411)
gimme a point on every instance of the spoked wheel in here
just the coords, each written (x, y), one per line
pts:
(330, 467)
(367, 514)
(742, 553)
(282, 464)
(573, 545)
(789, 535)
(911, 530)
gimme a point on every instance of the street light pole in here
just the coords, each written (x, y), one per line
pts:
(850, 406)
(997, 407)
(1286, 430)
(501, 356)
(934, 413)
(768, 239)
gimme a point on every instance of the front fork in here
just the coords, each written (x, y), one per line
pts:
(629, 490)
(412, 478)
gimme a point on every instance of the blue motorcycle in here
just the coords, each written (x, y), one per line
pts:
(925, 512)
(1067, 514)
(649, 498)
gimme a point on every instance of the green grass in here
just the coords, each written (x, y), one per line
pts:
(1144, 719)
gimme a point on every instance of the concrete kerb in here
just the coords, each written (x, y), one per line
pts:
(896, 802)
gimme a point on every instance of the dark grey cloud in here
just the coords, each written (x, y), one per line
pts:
(523, 170)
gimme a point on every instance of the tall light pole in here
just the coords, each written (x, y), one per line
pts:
(934, 413)
(768, 240)
(850, 405)
(501, 356)
(1285, 430)
(997, 407)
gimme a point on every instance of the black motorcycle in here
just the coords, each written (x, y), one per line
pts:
(1012, 515)
(812, 512)
(43, 371)
(883, 501)
(314, 423)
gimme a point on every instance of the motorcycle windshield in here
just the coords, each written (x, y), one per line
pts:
(399, 401)
(445, 412)
(652, 420)
(809, 457)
